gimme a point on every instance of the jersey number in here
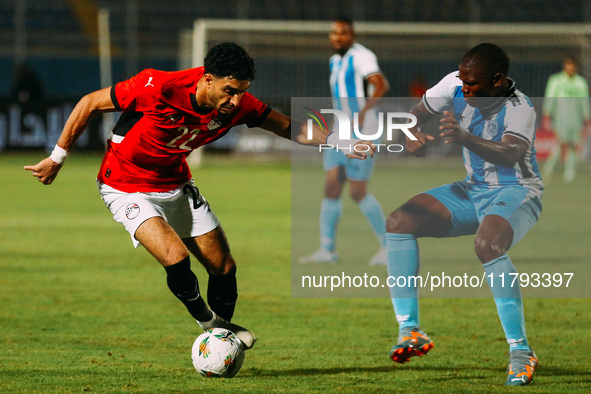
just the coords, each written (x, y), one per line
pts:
(184, 146)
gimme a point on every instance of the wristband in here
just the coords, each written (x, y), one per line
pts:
(59, 155)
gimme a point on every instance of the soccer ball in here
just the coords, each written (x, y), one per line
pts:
(217, 353)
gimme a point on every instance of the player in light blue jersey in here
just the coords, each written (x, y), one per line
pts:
(356, 84)
(498, 202)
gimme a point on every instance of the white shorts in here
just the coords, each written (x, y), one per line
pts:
(187, 212)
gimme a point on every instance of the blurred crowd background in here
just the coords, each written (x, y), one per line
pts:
(49, 49)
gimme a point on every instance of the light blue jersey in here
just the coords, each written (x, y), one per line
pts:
(349, 87)
(510, 115)
(348, 78)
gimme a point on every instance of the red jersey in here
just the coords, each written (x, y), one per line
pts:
(161, 124)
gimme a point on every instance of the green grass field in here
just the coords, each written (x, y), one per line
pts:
(81, 310)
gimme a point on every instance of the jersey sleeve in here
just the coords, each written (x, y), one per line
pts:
(440, 96)
(520, 119)
(367, 64)
(253, 112)
(137, 93)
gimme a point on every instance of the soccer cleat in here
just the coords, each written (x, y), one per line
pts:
(411, 342)
(380, 258)
(522, 366)
(320, 256)
(246, 337)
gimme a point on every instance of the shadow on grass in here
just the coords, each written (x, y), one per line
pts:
(581, 375)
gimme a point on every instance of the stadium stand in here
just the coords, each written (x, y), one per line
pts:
(59, 40)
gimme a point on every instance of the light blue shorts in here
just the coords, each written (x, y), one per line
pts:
(469, 204)
(355, 169)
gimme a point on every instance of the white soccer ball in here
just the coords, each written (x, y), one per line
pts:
(217, 353)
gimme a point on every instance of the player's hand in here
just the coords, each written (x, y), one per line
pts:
(361, 150)
(450, 129)
(418, 147)
(45, 171)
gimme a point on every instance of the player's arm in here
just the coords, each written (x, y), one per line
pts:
(278, 124)
(381, 87)
(100, 101)
(380, 83)
(505, 153)
(297, 131)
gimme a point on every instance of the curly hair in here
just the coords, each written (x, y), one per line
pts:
(230, 60)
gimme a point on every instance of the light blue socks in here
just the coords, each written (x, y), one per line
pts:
(372, 210)
(403, 260)
(330, 214)
(508, 300)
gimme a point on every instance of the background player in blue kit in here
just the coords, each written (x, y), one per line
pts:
(499, 201)
(356, 84)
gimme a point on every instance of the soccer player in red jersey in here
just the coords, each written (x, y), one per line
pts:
(144, 178)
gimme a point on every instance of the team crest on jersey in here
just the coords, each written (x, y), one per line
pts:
(215, 123)
(132, 211)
